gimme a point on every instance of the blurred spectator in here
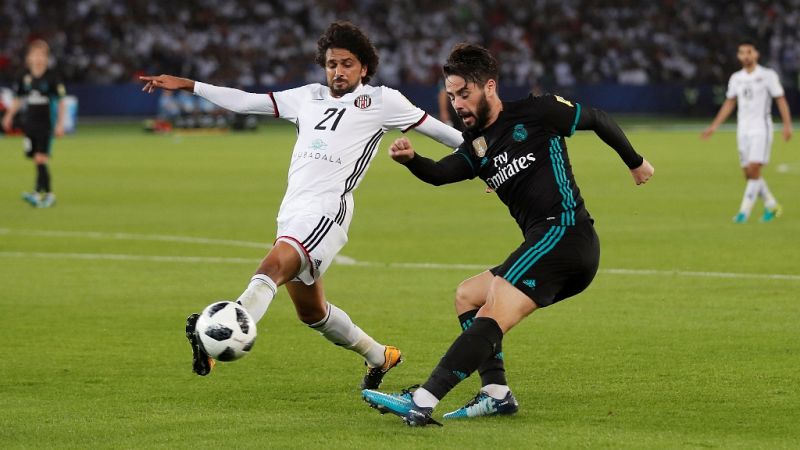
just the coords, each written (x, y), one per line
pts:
(547, 42)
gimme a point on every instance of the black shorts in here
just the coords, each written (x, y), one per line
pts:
(37, 142)
(554, 263)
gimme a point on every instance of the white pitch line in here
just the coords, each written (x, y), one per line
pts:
(135, 237)
(351, 262)
(122, 257)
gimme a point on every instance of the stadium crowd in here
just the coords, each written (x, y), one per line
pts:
(546, 42)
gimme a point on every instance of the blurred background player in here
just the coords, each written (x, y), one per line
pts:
(518, 149)
(37, 93)
(339, 128)
(753, 88)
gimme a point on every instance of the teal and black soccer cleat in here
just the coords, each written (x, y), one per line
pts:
(32, 197)
(201, 362)
(740, 218)
(402, 405)
(485, 405)
(772, 213)
(374, 375)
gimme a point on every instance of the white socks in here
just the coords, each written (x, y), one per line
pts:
(258, 295)
(498, 391)
(339, 329)
(422, 397)
(751, 192)
(766, 195)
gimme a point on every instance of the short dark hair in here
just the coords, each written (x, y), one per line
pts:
(749, 42)
(472, 63)
(345, 35)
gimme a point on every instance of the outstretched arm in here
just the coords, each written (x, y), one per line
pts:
(450, 169)
(786, 117)
(167, 82)
(231, 99)
(724, 111)
(607, 129)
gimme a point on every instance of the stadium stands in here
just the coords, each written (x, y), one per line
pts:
(539, 42)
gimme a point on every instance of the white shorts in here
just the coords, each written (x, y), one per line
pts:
(754, 148)
(318, 239)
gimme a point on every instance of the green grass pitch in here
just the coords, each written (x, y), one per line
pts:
(688, 337)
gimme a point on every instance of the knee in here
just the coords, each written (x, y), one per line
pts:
(753, 172)
(310, 315)
(466, 298)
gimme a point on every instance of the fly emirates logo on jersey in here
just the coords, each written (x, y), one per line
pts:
(506, 169)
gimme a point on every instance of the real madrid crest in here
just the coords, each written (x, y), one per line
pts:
(363, 101)
(479, 147)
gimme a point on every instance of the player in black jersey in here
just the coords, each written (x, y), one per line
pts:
(518, 149)
(38, 90)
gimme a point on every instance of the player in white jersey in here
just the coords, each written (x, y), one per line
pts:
(339, 128)
(753, 88)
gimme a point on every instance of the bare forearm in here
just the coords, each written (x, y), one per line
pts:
(724, 112)
(783, 109)
(62, 113)
(14, 107)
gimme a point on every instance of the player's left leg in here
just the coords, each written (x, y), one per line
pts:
(471, 295)
(772, 208)
(336, 326)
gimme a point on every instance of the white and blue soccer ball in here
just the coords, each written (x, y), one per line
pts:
(226, 331)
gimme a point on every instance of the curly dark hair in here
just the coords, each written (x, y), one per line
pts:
(472, 63)
(345, 35)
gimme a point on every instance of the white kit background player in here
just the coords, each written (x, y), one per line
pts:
(339, 128)
(753, 88)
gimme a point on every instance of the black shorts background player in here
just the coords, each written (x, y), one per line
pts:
(36, 93)
(518, 149)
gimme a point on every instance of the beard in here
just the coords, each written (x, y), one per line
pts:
(481, 115)
(338, 92)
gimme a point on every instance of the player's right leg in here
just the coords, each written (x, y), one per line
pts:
(753, 154)
(37, 147)
(279, 266)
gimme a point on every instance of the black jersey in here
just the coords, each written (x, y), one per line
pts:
(39, 96)
(522, 156)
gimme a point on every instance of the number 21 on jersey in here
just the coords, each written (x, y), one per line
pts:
(329, 113)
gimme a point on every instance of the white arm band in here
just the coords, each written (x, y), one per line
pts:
(235, 100)
(435, 129)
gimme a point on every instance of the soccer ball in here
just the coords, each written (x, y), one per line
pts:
(226, 330)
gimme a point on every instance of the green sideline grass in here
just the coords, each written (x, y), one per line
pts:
(688, 355)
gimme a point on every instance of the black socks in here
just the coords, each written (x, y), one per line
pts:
(492, 371)
(471, 350)
(42, 178)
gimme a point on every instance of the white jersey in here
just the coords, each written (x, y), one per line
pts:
(337, 138)
(754, 92)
